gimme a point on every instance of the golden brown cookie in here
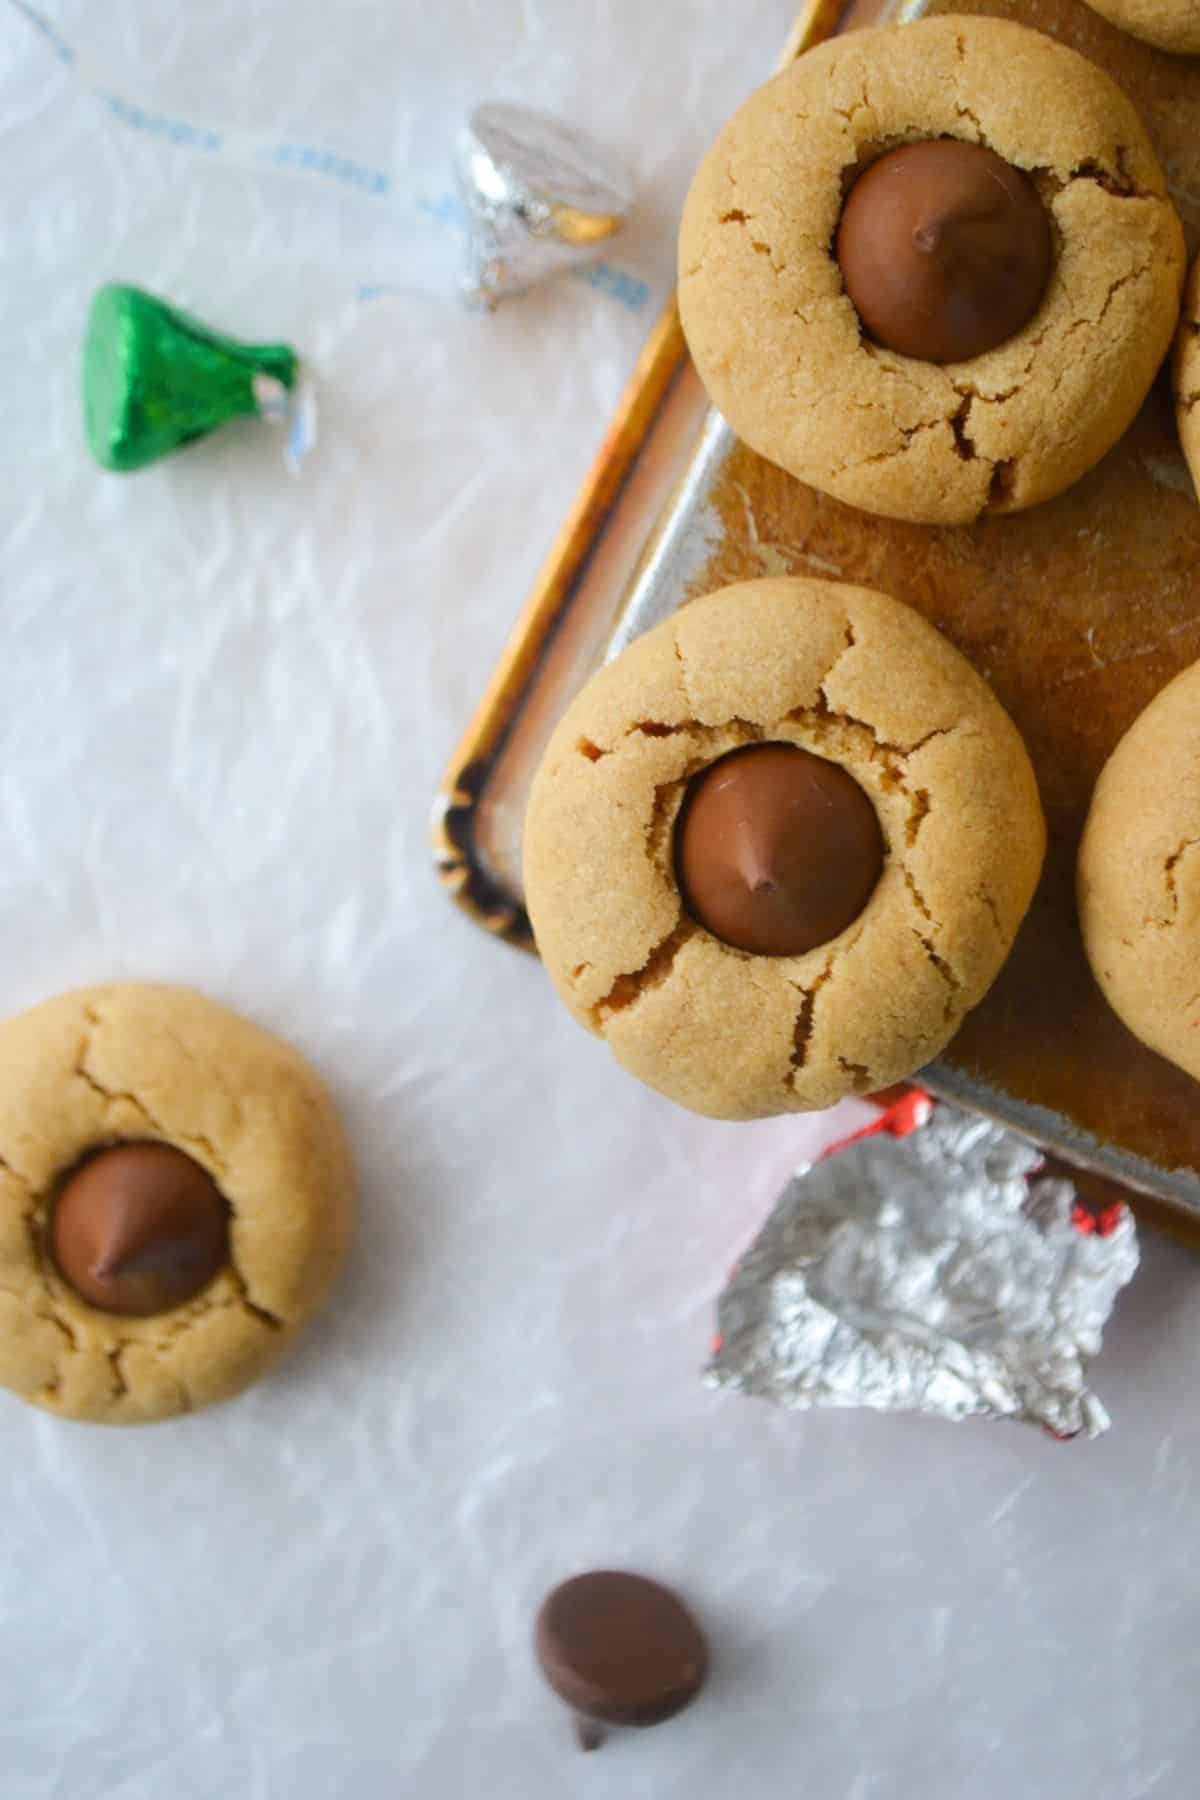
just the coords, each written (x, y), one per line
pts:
(1171, 24)
(1185, 372)
(140, 1063)
(859, 680)
(1139, 875)
(779, 344)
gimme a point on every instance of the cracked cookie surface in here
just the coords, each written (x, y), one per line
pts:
(851, 676)
(1139, 875)
(1185, 373)
(139, 1062)
(778, 342)
(1171, 24)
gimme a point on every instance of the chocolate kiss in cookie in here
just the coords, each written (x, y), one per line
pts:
(776, 850)
(945, 250)
(138, 1229)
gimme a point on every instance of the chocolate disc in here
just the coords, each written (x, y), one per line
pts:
(945, 250)
(620, 1648)
(776, 850)
(138, 1229)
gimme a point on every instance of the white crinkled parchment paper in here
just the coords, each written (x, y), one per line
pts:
(225, 699)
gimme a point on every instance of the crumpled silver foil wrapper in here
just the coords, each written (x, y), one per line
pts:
(539, 195)
(929, 1274)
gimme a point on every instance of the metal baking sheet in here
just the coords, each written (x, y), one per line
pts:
(676, 505)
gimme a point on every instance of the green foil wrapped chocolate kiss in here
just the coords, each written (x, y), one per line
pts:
(155, 378)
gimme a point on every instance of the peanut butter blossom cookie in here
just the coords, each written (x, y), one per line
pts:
(925, 291)
(1171, 24)
(175, 1200)
(779, 847)
(1139, 875)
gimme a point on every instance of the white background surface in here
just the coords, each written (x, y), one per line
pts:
(225, 699)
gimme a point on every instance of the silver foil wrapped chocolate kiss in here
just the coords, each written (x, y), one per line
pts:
(936, 1273)
(538, 196)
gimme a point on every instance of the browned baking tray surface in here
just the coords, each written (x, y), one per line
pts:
(1077, 613)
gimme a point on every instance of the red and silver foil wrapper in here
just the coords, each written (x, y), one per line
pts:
(934, 1272)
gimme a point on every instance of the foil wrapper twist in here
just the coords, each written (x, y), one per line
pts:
(538, 195)
(934, 1273)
